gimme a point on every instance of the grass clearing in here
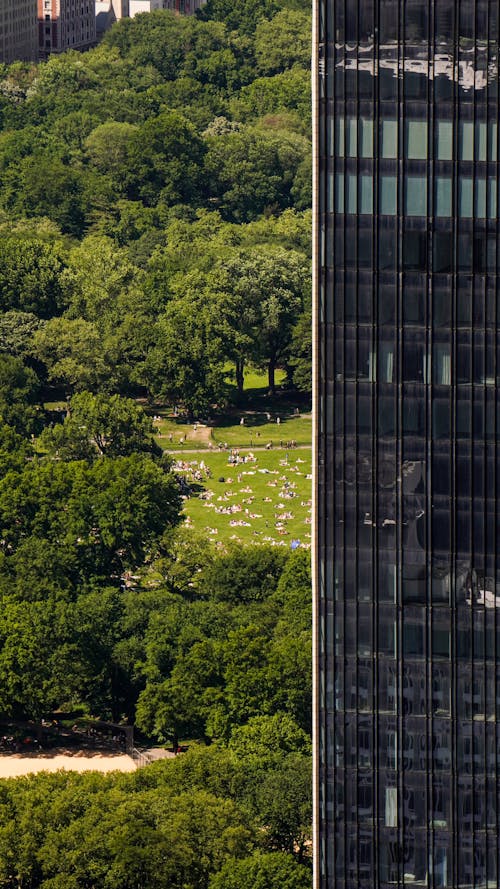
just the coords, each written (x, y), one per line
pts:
(256, 432)
(269, 497)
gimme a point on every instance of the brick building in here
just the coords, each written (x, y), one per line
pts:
(65, 24)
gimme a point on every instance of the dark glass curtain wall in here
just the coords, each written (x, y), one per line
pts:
(409, 431)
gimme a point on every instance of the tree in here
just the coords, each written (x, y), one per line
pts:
(289, 91)
(19, 393)
(105, 517)
(48, 187)
(101, 425)
(284, 41)
(241, 17)
(99, 278)
(264, 741)
(271, 870)
(244, 174)
(72, 352)
(165, 161)
(108, 148)
(244, 574)
(186, 365)
(283, 799)
(281, 303)
(17, 332)
(31, 275)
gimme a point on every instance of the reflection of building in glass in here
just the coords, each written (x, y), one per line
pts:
(408, 506)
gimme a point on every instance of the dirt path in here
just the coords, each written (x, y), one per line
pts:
(13, 765)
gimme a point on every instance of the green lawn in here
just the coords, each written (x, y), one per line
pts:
(256, 432)
(270, 495)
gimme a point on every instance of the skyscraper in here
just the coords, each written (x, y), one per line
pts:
(65, 24)
(18, 34)
(408, 443)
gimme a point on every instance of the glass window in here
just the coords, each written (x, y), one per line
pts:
(340, 136)
(391, 806)
(366, 195)
(443, 196)
(492, 198)
(465, 197)
(441, 305)
(389, 138)
(492, 140)
(481, 140)
(464, 255)
(386, 362)
(339, 193)
(416, 196)
(480, 198)
(366, 138)
(352, 193)
(416, 139)
(413, 639)
(414, 306)
(365, 242)
(387, 244)
(330, 190)
(441, 419)
(351, 137)
(440, 642)
(444, 140)
(415, 250)
(443, 251)
(466, 140)
(388, 193)
(442, 364)
(416, 21)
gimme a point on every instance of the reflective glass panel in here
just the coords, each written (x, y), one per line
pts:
(444, 146)
(415, 196)
(389, 138)
(443, 196)
(388, 195)
(416, 139)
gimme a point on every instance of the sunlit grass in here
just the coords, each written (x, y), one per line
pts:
(262, 497)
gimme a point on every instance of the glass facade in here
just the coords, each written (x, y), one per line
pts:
(408, 438)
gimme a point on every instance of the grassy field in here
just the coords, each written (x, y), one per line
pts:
(265, 500)
(256, 432)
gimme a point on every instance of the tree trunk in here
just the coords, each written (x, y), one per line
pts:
(240, 376)
(270, 371)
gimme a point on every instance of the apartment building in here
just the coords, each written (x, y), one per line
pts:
(65, 24)
(18, 30)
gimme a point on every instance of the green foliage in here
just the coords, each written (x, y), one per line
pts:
(265, 740)
(106, 516)
(71, 350)
(289, 91)
(283, 42)
(100, 425)
(271, 870)
(19, 391)
(242, 16)
(31, 276)
(153, 230)
(245, 575)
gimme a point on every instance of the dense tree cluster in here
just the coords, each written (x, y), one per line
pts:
(154, 197)
(154, 232)
(213, 819)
